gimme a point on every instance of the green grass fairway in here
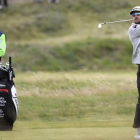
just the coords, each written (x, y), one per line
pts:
(99, 133)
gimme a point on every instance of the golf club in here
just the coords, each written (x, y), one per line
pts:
(100, 25)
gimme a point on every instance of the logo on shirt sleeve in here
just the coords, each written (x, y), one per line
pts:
(134, 26)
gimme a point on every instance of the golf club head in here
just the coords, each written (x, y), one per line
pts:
(100, 25)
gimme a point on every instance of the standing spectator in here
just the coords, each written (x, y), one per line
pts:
(38, 1)
(54, 1)
(49, 1)
(0, 4)
(5, 2)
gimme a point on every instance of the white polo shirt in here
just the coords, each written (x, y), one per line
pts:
(134, 36)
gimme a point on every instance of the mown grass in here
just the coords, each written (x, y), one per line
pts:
(116, 133)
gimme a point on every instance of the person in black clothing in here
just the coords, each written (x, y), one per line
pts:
(5, 3)
(40, 1)
(54, 1)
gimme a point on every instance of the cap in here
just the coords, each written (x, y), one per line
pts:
(136, 8)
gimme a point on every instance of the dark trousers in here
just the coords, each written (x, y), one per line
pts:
(5, 2)
(137, 113)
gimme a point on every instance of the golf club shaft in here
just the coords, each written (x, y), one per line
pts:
(117, 21)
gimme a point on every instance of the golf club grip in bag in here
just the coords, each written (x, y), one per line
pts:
(8, 97)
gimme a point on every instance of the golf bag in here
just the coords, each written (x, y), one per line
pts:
(8, 97)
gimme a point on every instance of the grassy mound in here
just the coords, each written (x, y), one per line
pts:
(64, 36)
(89, 54)
(31, 20)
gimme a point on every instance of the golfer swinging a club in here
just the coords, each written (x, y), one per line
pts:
(134, 36)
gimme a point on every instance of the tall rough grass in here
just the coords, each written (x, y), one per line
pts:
(77, 95)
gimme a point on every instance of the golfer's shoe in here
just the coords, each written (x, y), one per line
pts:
(137, 137)
(138, 131)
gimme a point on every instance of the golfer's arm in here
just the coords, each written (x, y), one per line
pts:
(136, 32)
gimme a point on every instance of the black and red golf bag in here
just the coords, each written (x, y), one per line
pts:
(8, 97)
